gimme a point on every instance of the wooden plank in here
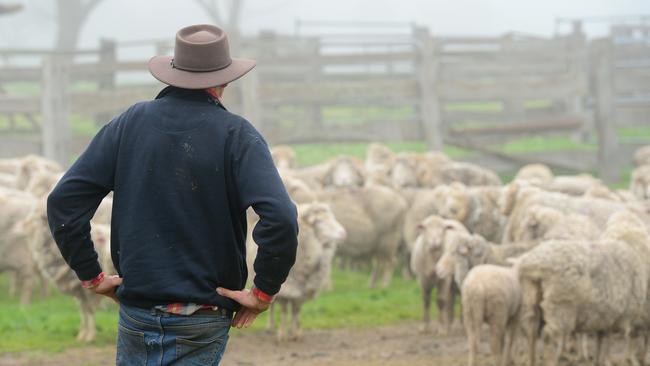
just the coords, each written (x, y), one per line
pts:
(556, 86)
(55, 104)
(631, 80)
(529, 127)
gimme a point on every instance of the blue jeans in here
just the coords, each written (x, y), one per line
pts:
(152, 337)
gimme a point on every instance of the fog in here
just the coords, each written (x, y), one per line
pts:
(143, 19)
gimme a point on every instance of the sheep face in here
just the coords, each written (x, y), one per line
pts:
(536, 221)
(284, 157)
(298, 190)
(461, 252)
(433, 232)
(328, 230)
(344, 171)
(404, 173)
(380, 155)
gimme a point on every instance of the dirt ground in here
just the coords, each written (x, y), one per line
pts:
(398, 345)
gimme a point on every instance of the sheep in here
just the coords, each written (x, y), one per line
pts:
(642, 156)
(32, 165)
(593, 287)
(477, 208)
(373, 216)
(518, 196)
(319, 235)
(298, 190)
(284, 157)
(52, 266)
(426, 252)
(341, 171)
(538, 174)
(540, 223)
(7, 180)
(491, 294)
(16, 257)
(574, 185)
(379, 163)
(469, 174)
(640, 182)
(404, 173)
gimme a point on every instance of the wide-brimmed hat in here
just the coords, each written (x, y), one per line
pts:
(201, 60)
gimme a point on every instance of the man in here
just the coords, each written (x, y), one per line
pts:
(183, 171)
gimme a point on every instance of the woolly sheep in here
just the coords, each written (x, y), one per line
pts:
(544, 223)
(538, 174)
(53, 267)
(373, 217)
(319, 235)
(642, 156)
(379, 163)
(640, 182)
(16, 257)
(284, 157)
(427, 250)
(491, 294)
(477, 208)
(586, 286)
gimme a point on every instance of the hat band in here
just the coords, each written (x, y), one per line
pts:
(194, 69)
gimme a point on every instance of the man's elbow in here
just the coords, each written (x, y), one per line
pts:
(288, 217)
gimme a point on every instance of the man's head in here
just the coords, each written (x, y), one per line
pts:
(201, 60)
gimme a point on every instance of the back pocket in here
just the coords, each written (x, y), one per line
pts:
(199, 352)
(131, 349)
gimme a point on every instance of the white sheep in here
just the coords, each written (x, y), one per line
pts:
(53, 267)
(594, 287)
(477, 208)
(284, 157)
(427, 250)
(640, 182)
(642, 156)
(491, 294)
(319, 235)
(379, 163)
(373, 216)
(538, 174)
(16, 257)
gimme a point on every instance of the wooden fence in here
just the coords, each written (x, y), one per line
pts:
(475, 93)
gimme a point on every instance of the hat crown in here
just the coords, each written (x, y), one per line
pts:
(201, 48)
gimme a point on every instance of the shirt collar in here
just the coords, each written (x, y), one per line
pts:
(199, 95)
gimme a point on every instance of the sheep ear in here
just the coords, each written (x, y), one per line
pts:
(419, 228)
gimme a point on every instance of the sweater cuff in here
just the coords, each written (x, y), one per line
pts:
(88, 272)
(266, 287)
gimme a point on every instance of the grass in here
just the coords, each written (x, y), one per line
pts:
(50, 325)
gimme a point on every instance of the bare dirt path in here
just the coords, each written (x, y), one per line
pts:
(396, 345)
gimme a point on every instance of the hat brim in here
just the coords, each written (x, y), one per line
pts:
(161, 68)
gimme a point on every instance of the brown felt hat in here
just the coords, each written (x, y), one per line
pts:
(201, 60)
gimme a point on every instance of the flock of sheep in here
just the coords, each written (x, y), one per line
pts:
(563, 257)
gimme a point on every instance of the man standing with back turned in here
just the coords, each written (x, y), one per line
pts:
(183, 171)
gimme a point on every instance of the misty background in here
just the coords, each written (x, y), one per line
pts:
(124, 20)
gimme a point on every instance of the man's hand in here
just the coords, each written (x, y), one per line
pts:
(251, 306)
(107, 287)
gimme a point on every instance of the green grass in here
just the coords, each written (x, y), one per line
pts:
(50, 325)
(541, 144)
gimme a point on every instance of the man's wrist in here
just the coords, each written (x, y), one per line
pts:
(92, 283)
(261, 295)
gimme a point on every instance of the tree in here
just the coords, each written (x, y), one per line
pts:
(71, 16)
(228, 18)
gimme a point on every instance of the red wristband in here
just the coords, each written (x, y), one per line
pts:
(94, 282)
(262, 296)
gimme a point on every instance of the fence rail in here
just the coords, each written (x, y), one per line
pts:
(508, 87)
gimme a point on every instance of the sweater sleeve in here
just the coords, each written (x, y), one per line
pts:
(259, 186)
(74, 200)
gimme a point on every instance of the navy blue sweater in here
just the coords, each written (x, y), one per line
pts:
(183, 171)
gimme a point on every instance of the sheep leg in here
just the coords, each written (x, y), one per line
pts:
(376, 269)
(629, 349)
(559, 350)
(82, 322)
(13, 284)
(270, 325)
(27, 287)
(282, 336)
(445, 301)
(497, 333)
(426, 289)
(643, 351)
(473, 324)
(585, 347)
(388, 269)
(532, 338)
(296, 331)
(510, 338)
(602, 349)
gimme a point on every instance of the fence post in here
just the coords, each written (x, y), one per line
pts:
(608, 159)
(106, 78)
(55, 104)
(250, 101)
(427, 74)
